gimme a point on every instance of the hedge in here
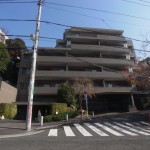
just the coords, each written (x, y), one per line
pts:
(9, 111)
(58, 107)
(60, 116)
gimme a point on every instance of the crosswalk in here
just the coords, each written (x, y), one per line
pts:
(103, 129)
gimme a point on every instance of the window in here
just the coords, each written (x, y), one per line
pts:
(127, 56)
(130, 69)
(126, 45)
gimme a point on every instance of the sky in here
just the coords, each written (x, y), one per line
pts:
(135, 28)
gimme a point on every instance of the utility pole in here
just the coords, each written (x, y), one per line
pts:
(33, 68)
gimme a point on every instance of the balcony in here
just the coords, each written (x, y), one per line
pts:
(103, 38)
(98, 48)
(98, 90)
(56, 60)
(63, 75)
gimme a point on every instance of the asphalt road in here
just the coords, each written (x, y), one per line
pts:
(90, 136)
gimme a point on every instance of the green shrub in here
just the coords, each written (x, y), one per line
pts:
(66, 94)
(48, 118)
(58, 107)
(69, 109)
(145, 102)
(60, 116)
(8, 110)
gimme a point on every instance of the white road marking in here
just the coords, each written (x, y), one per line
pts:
(131, 125)
(136, 123)
(68, 131)
(82, 130)
(120, 129)
(53, 132)
(99, 132)
(134, 130)
(145, 123)
(109, 129)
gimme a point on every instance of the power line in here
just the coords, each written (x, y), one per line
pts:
(64, 25)
(103, 20)
(85, 15)
(99, 10)
(17, 2)
(51, 38)
(136, 3)
(144, 1)
(41, 37)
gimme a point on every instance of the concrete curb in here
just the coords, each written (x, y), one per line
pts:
(60, 124)
(21, 134)
(102, 116)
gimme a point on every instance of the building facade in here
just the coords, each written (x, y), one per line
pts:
(97, 54)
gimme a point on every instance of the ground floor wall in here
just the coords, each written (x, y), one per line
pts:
(99, 104)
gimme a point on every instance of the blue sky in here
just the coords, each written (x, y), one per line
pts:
(134, 28)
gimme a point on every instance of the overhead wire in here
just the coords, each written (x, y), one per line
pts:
(17, 2)
(69, 26)
(136, 3)
(144, 1)
(98, 10)
(97, 18)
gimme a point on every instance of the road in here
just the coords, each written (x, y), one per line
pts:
(110, 135)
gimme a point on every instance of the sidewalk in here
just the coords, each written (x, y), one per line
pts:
(9, 128)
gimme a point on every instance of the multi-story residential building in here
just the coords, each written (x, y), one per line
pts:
(3, 37)
(97, 54)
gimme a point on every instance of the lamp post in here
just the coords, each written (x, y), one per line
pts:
(32, 77)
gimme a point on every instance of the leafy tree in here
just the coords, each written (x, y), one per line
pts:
(140, 76)
(66, 94)
(15, 48)
(4, 59)
(82, 85)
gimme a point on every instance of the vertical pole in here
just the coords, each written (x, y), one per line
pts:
(67, 117)
(87, 106)
(41, 121)
(32, 77)
(132, 98)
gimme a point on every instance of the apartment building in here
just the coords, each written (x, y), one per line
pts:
(97, 54)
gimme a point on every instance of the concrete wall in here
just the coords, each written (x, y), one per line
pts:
(7, 93)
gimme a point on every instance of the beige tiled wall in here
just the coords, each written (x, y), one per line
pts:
(7, 93)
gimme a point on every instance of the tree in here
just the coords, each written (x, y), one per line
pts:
(15, 48)
(82, 85)
(140, 76)
(4, 59)
(66, 94)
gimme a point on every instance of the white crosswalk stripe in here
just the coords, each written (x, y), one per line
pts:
(115, 128)
(131, 125)
(53, 132)
(145, 123)
(68, 131)
(109, 129)
(82, 130)
(132, 129)
(120, 129)
(96, 130)
(136, 123)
